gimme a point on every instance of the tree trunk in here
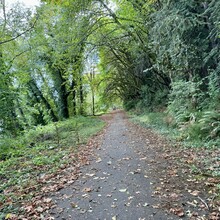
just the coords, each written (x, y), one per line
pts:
(93, 102)
(81, 97)
(74, 102)
(60, 84)
(40, 96)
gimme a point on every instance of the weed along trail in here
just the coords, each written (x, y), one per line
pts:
(118, 183)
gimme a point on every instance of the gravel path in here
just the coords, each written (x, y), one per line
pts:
(118, 183)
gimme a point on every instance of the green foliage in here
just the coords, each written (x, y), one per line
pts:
(213, 99)
(145, 52)
(41, 151)
(128, 105)
(186, 50)
(157, 121)
(151, 100)
(196, 112)
(210, 123)
(62, 134)
(183, 101)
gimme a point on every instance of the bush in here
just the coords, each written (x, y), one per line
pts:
(183, 100)
(210, 123)
(196, 112)
(131, 104)
(152, 101)
(65, 133)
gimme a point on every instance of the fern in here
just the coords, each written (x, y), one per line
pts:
(211, 123)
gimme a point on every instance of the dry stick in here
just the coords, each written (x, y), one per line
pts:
(213, 198)
(77, 132)
(204, 202)
(57, 133)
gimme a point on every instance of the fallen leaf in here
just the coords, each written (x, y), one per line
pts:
(90, 174)
(74, 205)
(29, 208)
(195, 193)
(99, 160)
(191, 203)
(47, 200)
(39, 209)
(156, 206)
(177, 211)
(174, 196)
(214, 216)
(87, 190)
(82, 211)
(10, 216)
(137, 171)
(114, 217)
(122, 190)
(144, 158)
(85, 196)
(126, 158)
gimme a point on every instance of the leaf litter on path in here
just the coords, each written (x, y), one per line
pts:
(179, 191)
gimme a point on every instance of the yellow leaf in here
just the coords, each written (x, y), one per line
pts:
(8, 216)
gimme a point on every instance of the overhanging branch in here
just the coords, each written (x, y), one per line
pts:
(17, 36)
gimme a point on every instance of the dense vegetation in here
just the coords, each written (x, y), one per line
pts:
(78, 57)
(74, 58)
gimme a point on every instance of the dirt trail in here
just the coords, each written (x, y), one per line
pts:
(118, 183)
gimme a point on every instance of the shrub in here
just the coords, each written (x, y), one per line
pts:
(210, 123)
(196, 112)
(128, 105)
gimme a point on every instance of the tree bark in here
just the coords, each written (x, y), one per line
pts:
(40, 96)
(81, 97)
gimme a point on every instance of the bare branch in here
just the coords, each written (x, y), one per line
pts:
(24, 32)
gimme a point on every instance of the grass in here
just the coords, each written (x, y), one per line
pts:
(160, 122)
(156, 121)
(40, 151)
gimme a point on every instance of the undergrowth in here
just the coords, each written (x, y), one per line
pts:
(189, 134)
(163, 124)
(40, 151)
(156, 120)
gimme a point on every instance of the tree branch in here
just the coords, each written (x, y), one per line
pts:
(14, 38)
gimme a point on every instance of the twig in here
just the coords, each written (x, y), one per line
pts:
(77, 133)
(204, 202)
(213, 198)
(57, 133)
(24, 32)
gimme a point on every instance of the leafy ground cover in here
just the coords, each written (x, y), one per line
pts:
(207, 156)
(35, 163)
(187, 168)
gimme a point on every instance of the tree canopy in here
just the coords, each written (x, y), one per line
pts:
(147, 54)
